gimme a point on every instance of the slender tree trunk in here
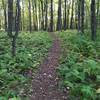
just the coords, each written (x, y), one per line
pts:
(17, 27)
(36, 16)
(51, 20)
(68, 16)
(5, 14)
(46, 15)
(82, 16)
(0, 24)
(59, 21)
(93, 20)
(42, 10)
(30, 23)
(18, 17)
(98, 12)
(79, 17)
(10, 17)
(71, 21)
(76, 18)
(65, 17)
(13, 46)
(39, 16)
(23, 27)
(10, 22)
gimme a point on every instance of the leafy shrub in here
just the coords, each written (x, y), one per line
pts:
(79, 68)
(31, 49)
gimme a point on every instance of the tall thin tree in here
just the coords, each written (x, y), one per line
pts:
(5, 14)
(93, 20)
(51, 19)
(59, 21)
(10, 17)
(79, 17)
(65, 16)
(46, 15)
(82, 15)
(71, 20)
(30, 21)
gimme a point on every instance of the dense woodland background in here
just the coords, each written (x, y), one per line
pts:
(50, 15)
(24, 41)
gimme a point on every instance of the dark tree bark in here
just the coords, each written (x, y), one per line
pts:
(0, 24)
(98, 12)
(65, 17)
(36, 16)
(35, 24)
(30, 21)
(10, 23)
(71, 21)
(23, 28)
(39, 15)
(5, 14)
(68, 8)
(93, 20)
(79, 17)
(42, 10)
(76, 14)
(59, 21)
(18, 17)
(82, 16)
(10, 17)
(46, 15)
(51, 19)
(17, 27)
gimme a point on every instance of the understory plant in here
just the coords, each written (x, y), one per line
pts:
(16, 73)
(79, 69)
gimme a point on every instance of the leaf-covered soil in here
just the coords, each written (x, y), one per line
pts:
(45, 83)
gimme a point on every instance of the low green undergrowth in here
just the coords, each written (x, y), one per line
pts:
(16, 72)
(79, 68)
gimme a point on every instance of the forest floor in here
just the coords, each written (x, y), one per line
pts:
(45, 83)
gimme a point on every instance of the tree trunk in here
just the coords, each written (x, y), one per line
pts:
(65, 17)
(71, 21)
(17, 27)
(59, 21)
(39, 16)
(98, 12)
(13, 46)
(30, 23)
(42, 10)
(82, 16)
(18, 16)
(0, 24)
(68, 8)
(23, 26)
(5, 14)
(79, 17)
(51, 20)
(10, 17)
(46, 15)
(93, 20)
(36, 16)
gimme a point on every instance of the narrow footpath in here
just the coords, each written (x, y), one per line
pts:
(45, 83)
